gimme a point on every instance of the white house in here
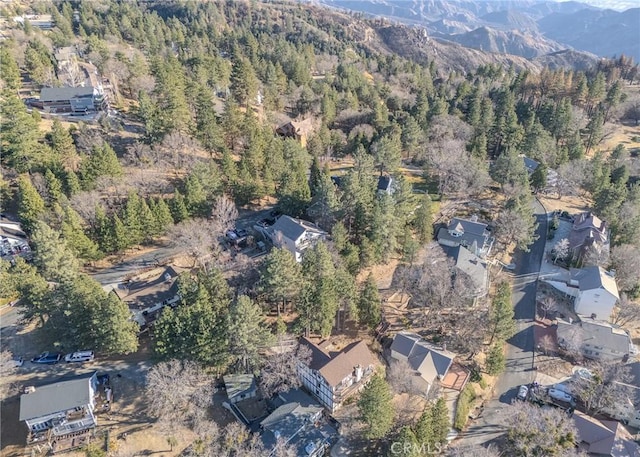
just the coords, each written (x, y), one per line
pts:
(597, 292)
(61, 409)
(295, 235)
(332, 376)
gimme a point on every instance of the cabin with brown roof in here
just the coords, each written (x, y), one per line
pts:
(334, 376)
(299, 130)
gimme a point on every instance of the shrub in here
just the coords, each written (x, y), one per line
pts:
(463, 407)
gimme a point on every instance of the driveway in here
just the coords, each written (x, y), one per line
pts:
(519, 350)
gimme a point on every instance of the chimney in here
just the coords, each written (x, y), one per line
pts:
(474, 218)
(444, 346)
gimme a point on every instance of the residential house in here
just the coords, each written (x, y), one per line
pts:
(595, 339)
(431, 364)
(473, 235)
(588, 232)
(473, 267)
(604, 437)
(332, 376)
(295, 235)
(40, 21)
(627, 409)
(595, 291)
(59, 411)
(299, 130)
(385, 185)
(530, 164)
(240, 387)
(71, 99)
(298, 422)
(147, 295)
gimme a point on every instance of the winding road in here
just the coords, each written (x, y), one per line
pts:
(519, 350)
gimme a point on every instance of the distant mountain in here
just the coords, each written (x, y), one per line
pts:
(528, 28)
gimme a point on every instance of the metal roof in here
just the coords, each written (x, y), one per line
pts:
(54, 94)
(58, 397)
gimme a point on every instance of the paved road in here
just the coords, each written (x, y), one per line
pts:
(519, 351)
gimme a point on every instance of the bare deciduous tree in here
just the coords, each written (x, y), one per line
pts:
(224, 213)
(625, 258)
(596, 255)
(605, 388)
(547, 305)
(85, 203)
(538, 431)
(473, 451)
(198, 237)
(626, 311)
(404, 379)
(547, 345)
(176, 390)
(280, 372)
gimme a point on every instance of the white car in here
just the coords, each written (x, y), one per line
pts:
(79, 356)
(557, 394)
(522, 392)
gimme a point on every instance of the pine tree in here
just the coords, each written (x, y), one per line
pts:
(441, 423)
(121, 240)
(72, 183)
(376, 408)
(369, 312)
(229, 170)
(424, 427)
(423, 221)
(54, 186)
(281, 277)
(77, 240)
(496, 361)
(18, 135)
(162, 216)
(30, 204)
(408, 443)
(248, 333)
(147, 221)
(132, 219)
(63, 147)
(103, 231)
(319, 304)
(502, 325)
(179, 208)
(52, 255)
(195, 196)
(102, 162)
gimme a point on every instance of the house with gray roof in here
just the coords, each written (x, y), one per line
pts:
(604, 437)
(299, 422)
(469, 233)
(430, 363)
(588, 232)
(595, 291)
(240, 387)
(71, 99)
(60, 409)
(595, 339)
(335, 375)
(627, 408)
(295, 235)
(472, 267)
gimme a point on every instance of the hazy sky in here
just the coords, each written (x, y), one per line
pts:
(619, 5)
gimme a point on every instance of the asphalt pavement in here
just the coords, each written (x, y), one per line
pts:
(519, 349)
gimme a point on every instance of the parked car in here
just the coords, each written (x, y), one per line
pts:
(79, 356)
(523, 391)
(47, 357)
(558, 394)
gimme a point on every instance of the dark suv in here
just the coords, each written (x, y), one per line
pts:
(47, 357)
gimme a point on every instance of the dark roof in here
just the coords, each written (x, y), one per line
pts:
(289, 227)
(287, 421)
(530, 164)
(472, 233)
(319, 357)
(384, 183)
(55, 398)
(597, 333)
(587, 229)
(470, 264)
(429, 361)
(52, 94)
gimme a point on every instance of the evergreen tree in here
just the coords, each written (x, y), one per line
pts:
(103, 231)
(376, 408)
(538, 178)
(132, 219)
(496, 360)
(102, 162)
(502, 325)
(72, 183)
(52, 255)
(9, 71)
(248, 333)
(162, 216)
(384, 228)
(30, 204)
(147, 222)
(195, 196)
(244, 82)
(54, 187)
(424, 428)
(121, 240)
(229, 170)
(441, 423)
(63, 147)
(423, 220)
(73, 232)
(281, 277)
(178, 207)
(320, 302)
(18, 135)
(408, 444)
(369, 312)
